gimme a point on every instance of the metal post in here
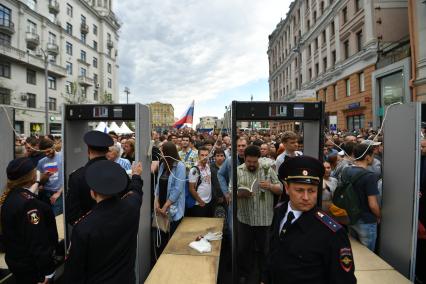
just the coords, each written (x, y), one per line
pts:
(46, 97)
(127, 91)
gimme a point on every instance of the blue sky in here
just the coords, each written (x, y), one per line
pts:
(210, 51)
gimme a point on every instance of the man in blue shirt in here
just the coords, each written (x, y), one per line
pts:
(51, 165)
(114, 155)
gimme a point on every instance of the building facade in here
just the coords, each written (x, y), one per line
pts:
(207, 122)
(76, 39)
(332, 48)
(162, 115)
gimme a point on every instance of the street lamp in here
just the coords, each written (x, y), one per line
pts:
(127, 91)
(46, 97)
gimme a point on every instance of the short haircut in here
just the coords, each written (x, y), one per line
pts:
(348, 147)
(203, 148)
(33, 141)
(112, 133)
(219, 152)
(45, 143)
(115, 148)
(289, 135)
(208, 142)
(242, 138)
(187, 136)
(361, 151)
(252, 151)
(257, 142)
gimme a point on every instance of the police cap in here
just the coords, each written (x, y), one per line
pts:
(98, 139)
(301, 169)
(19, 167)
(106, 177)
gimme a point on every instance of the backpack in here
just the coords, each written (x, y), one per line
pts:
(189, 200)
(346, 199)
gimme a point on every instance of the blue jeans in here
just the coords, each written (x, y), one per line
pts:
(365, 233)
(57, 208)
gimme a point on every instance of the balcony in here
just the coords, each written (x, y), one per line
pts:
(110, 44)
(33, 40)
(52, 48)
(84, 28)
(53, 7)
(7, 26)
(85, 81)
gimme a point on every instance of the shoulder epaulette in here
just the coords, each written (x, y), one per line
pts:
(127, 194)
(82, 217)
(27, 195)
(328, 221)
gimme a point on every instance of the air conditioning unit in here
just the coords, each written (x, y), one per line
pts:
(24, 97)
(98, 85)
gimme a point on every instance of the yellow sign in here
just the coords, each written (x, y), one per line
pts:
(36, 127)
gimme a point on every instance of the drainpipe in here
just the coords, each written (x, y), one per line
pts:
(413, 39)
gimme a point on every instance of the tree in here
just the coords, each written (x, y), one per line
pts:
(73, 96)
(106, 98)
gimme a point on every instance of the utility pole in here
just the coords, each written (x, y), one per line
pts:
(46, 97)
(127, 91)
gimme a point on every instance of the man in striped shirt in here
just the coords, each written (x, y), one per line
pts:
(257, 185)
(114, 155)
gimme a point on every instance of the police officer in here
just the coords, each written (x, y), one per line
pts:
(28, 224)
(103, 242)
(78, 200)
(306, 245)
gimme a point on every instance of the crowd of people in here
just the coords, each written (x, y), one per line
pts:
(191, 176)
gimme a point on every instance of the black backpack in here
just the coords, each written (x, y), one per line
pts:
(346, 198)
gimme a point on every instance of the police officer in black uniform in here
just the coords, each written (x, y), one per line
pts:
(306, 245)
(28, 224)
(78, 200)
(103, 242)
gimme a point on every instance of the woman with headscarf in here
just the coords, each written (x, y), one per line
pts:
(28, 226)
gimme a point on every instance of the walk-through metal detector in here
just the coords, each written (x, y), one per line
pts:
(76, 120)
(7, 150)
(401, 183)
(312, 116)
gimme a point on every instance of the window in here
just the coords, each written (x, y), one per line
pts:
(315, 16)
(344, 15)
(359, 4)
(4, 96)
(69, 68)
(335, 92)
(69, 10)
(51, 82)
(84, 91)
(95, 29)
(83, 55)
(361, 82)
(68, 47)
(308, 23)
(83, 71)
(5, 16)
(5, 70)
(309, 51)
(332, 28)
(95, 95)
(324, 63)
(359, 40)
(316, 45)
(109, 67)
(109, 83)
(333, 57)
(108, 36)
(316, 69)
(355, 122)
(68, 29)
(68, 87)
(52, 104)
(348, 87)
(346, 49)
(310, 73)
(323, 38)
(95, 78)
(83, 19)
(31, 76)
(5, 39)
(31, 27)
(95, 44)
(322, 7)
(95, 62)
(31, 100)
(83, 38)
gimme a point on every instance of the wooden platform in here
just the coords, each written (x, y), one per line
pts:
(180, 264)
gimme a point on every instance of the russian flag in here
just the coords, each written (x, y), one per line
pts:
(186, 118)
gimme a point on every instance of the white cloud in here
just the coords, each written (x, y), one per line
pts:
(176, 51)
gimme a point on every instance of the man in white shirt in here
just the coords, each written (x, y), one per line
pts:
(291, 145)
(200, 185)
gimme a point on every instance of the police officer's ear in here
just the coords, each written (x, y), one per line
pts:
(286, 187)
(93, 194)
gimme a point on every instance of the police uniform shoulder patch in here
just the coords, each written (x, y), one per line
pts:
(346, 259)
(27, 195)
(127, 195)
(82, 217)
(33, 217)
(328, 221)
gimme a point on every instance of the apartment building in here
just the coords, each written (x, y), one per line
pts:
(75, 39)
(162, 115)
(333, 48)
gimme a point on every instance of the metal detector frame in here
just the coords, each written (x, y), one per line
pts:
(128, 112)
(7, 152)
(261, 111)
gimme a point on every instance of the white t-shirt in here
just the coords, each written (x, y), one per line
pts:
(205, 188)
